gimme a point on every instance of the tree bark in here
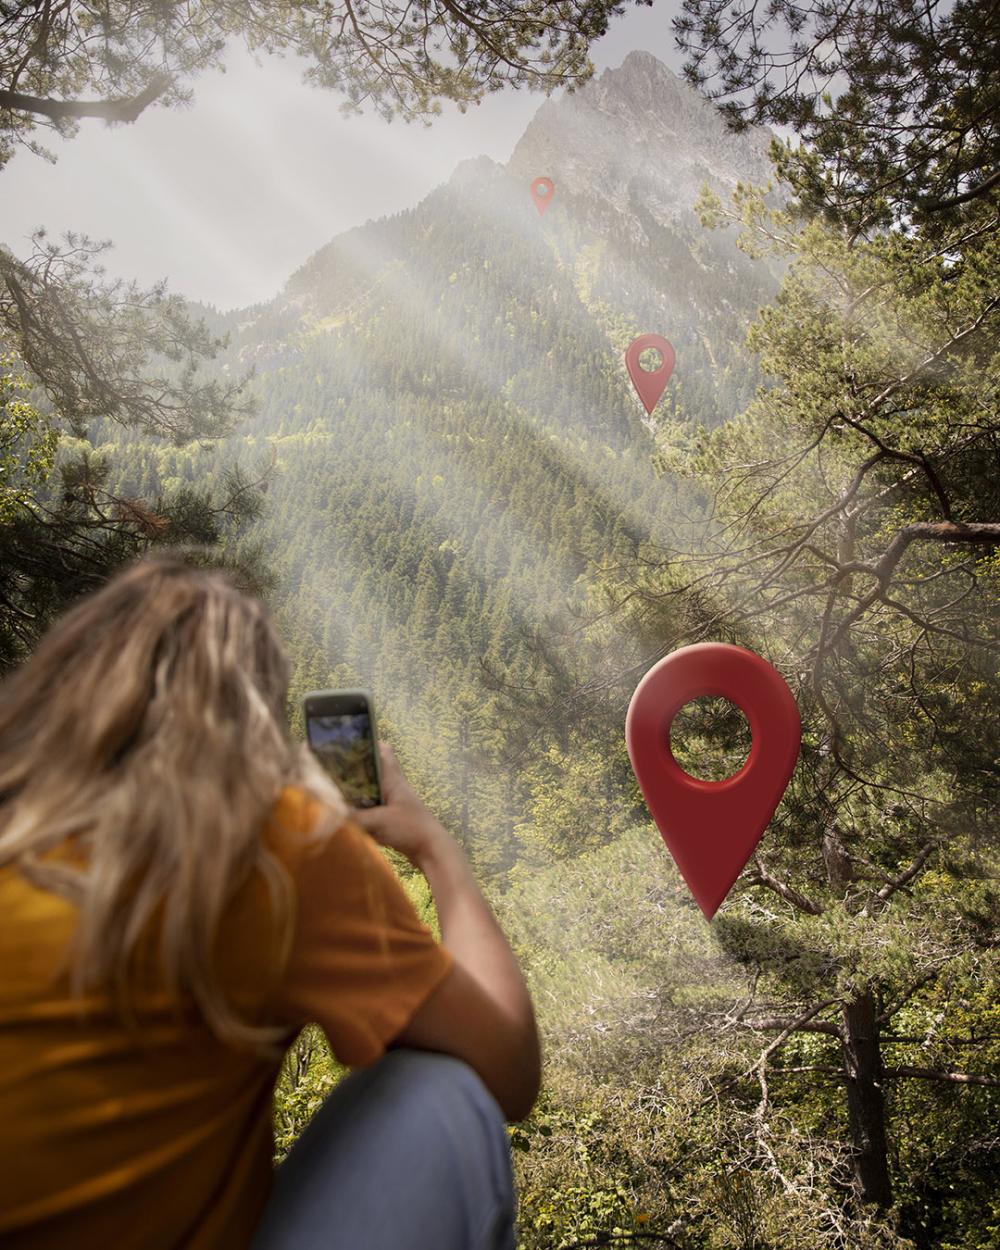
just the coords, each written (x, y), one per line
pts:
(862, 1058)
(865, 1099)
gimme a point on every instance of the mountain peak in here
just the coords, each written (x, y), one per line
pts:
(639, 61)
(638, 131)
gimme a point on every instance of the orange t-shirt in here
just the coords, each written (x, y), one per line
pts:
(168, 1143)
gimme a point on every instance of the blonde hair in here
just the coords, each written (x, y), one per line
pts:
(149, 725)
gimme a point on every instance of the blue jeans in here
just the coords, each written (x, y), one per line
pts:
(410, 1153)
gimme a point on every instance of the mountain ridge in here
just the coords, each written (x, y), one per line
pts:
(608, 184)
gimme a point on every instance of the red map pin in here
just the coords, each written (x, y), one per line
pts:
(650, 383)
(712, 827)
(541, 193)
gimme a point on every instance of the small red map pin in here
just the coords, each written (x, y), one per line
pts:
(650, 383)
(712, 827)
(541, 193)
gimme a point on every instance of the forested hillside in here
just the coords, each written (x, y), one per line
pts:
(468, 511)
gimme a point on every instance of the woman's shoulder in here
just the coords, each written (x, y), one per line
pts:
(309, 808)
(293, 810)
(301, 820)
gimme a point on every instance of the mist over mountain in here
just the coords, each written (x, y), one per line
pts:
(637, 142)
(457, 448)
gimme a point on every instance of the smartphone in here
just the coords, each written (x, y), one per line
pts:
(340, 728)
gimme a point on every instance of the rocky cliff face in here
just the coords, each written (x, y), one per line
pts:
(638, 133)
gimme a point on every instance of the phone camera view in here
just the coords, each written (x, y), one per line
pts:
(346, 750)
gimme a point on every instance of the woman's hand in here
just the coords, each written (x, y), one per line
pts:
(402, 821)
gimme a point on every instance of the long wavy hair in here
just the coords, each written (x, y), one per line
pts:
(149, 728)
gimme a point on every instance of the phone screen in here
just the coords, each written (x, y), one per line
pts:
(345, 746)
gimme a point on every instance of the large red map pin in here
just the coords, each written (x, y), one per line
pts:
(712, 827)
(541, 193)
(650, 383)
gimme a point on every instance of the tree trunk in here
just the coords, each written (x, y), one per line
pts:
(865, 1100)
(860, 1047)
(862, 1057)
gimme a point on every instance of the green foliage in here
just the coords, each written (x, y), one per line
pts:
(647, 1118)
(308, 1075)
(98, 349)
(894, 105)
(27, 443)
(62, 536)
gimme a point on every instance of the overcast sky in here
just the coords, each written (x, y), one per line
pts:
(226, 198)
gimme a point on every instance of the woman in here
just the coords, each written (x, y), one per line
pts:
(181, 890)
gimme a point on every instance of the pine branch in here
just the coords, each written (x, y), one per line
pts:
(937, 206)
(783, 890)
(897, 883)
(124, 110)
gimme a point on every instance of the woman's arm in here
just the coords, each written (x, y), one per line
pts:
(482, 1011)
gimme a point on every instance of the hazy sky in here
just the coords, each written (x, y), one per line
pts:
(226, 198)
